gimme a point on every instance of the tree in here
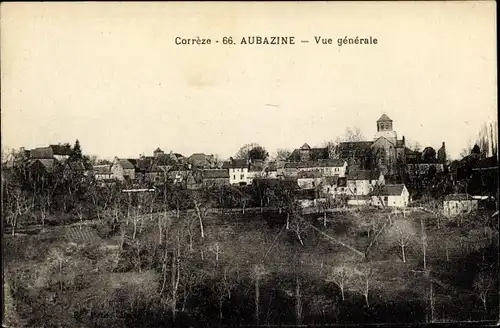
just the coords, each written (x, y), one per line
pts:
(341, 276)
(483, 284)
(364, 275)
(252, 151)
(259, 271)
(429, 155)
(76, 152)
(282, 154)
(352, 134)
(258, 153)
(202, 200)
(403, 233)
(215, 161)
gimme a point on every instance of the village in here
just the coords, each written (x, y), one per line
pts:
(383, 172)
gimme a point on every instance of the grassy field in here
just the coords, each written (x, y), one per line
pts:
(73, 269)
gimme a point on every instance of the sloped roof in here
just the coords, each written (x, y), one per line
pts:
(127, 164)
(237, 163)
(321, 163)
(309, 175)
(215, 174)
(47, 163)
(102, 169)
(315, 153)
(158, 150)
(60, 150)
(363, 175)
(39, 153)
(392, 190)
(355, 145)
(457, 197)
(305, 146)
(76, 166)
(384, 118)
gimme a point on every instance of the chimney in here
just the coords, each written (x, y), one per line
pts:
(443, 144)
(403, 140)
(231, 160)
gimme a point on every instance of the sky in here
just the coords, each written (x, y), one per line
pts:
(111, 75)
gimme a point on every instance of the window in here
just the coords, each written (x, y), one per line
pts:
(355, 189)
(386, 199)
(313, 184)
(242, 176)
(234, 177)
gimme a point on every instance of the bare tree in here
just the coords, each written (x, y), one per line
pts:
(282, 154)
(363, 282)
(202, 200)
(341, 275)
(216, 249)
(483, 284)
(259, 271)
(403, 234)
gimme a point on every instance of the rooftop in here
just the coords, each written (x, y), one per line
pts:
(456, 197)
(391, 190)
(384, 118)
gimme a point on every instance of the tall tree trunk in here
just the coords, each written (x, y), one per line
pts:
(298, 301)
(424, 243)
(431, 301)
(257, 300)
(198, 212)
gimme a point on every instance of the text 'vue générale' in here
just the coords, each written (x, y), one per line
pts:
(276, 40)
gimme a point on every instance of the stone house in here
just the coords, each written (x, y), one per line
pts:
(238, 171)
(459, 204)
(391, 195)
(124, 169)
(362, 182)
(309, 179)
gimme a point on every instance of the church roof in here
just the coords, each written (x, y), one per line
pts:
(384, 118)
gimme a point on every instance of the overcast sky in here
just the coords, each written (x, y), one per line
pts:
(111, 75)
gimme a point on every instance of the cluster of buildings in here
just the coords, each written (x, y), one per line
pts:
(354, 173)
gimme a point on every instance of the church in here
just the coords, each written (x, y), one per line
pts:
(382, 153)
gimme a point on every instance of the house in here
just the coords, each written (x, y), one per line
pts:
(58, 152)
(421, 163)
(124, 169)
(215, 177)
(201, 161)
(309, 179)
(178, 173)
(41, 166)
(362, 182)
(102, 172)
(238, 171)
(456, 204)
(329, 167)
(271, 170)
(329, 186)
(390, 195)
(79, 168)
(305, 154)
(256, 170)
